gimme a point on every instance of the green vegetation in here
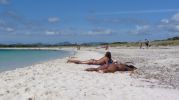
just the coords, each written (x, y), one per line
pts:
(152, 43)
(127, 44)
(167, 42)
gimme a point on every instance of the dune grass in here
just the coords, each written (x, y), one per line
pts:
(152, 43)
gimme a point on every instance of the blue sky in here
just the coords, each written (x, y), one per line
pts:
(53, 21)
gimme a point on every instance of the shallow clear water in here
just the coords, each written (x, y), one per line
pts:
(11, 59)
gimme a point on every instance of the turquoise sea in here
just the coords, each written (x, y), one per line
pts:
(12, 58)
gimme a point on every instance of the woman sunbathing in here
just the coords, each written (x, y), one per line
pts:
(113, 68)
(104, 60)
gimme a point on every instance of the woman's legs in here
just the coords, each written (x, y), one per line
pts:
(91, 61)
(73, 61)
(80, 62)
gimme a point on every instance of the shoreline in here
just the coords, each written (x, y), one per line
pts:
(70, 50)
(58, 79)
(32, 48)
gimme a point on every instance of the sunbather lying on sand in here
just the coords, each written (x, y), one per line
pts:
(104, 60)
(111, 68)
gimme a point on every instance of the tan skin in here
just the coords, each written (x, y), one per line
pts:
(112, 68)
(101, 61)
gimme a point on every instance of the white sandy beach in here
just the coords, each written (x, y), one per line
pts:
(58, 80)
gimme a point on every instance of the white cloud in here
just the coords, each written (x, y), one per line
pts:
(177, 27)
(53, 20)
(9, 29)
(27, 33)
(165, 21)
(139, 12)
(171, 24)
(144, 29)
(173, 28)
(175, 17)
(119, 20)
(52, 32)
(100, 32)
(6, 29)
(4, 1)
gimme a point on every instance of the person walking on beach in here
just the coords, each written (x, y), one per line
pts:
(106, 47)
(147, 43)
(140, 43)
(78, 47)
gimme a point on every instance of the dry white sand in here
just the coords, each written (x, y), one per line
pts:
(58, 80)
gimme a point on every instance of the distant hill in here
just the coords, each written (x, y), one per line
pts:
(94, 43)
(173, 38)
(164, 42)
(64, 44)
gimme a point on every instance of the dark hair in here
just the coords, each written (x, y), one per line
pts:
(108, 54)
